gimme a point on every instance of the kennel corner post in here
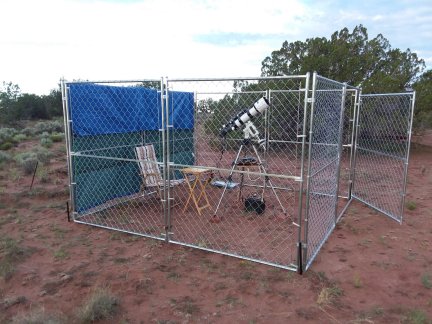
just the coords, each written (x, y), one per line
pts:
(353, 142)
(68, 143)
(339, 148)
(309, 164)
(165, 156)
(300, 245)
(408, 146)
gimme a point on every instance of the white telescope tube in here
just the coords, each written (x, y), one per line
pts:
(242, 118)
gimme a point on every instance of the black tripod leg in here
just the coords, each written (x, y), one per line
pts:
(267, 180)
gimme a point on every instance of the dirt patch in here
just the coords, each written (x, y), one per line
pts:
(370, 270)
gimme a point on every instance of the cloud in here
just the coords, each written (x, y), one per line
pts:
(235, 39)
(45, 40)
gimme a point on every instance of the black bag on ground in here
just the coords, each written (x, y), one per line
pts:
(255, 204)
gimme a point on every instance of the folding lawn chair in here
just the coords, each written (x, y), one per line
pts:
(150, 172)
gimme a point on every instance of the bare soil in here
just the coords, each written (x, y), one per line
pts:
(371, 270)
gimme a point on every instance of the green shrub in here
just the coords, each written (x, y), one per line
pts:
(19, 138)
(6, 146)
(48, 126)
(57, 137)
(27, 161)
(417, 316)
(42, 174)
(29, 165)
(7, 134)
(46, 142)
(28, 131)
(426, 280)
(411, 205)
(43, 155)
(44, 135)
(4, 157)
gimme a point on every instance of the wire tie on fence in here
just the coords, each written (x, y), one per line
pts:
(295, 224)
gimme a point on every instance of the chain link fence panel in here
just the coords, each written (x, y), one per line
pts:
(382, 151)
(347, 156)
(106, 123)
(326, 127)
(220, 164)
(258, 163)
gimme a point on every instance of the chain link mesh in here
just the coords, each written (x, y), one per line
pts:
(382, 151)
(227, 226)
(167, 161)
(106, 180)
(346, 162)
(326, 127)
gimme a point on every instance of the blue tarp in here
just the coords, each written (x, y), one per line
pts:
(112, 121)
(101, 109)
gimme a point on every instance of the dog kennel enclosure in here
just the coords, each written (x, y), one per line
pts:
(256, 168)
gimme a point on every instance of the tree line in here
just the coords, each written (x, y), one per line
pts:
(16, 106)
(353, 57)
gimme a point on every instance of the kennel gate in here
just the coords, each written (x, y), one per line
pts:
(309, 139)
(384, 129)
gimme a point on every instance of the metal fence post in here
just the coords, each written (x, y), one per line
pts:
(309, 164)
(300, 201)
(68, 142)
(339, 154)
(408, 146)
(165, 148)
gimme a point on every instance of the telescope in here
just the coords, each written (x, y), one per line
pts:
(251, 135)
(245, 116)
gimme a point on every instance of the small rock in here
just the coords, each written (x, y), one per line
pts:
(42, 293)
(9, 302)
(65, 277)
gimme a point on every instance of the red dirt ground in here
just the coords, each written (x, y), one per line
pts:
(371, 270)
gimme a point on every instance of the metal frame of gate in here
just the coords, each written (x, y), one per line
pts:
(383, 138)
(336, 138)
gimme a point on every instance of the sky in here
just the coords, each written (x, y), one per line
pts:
(45, 40)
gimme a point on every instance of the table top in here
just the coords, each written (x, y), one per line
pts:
(195, 170)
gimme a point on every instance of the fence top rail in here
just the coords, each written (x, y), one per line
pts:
(284, 77)
(319, 77)
(229, 92)
(114, 81)
(410, 93)
(352, 88)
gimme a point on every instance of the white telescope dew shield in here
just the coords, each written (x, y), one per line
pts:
(242, 118)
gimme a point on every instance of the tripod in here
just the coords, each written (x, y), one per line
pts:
(250, 134)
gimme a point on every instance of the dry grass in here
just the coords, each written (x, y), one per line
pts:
(10, 253)
(38, 316)
(328, 295)
(100, 305)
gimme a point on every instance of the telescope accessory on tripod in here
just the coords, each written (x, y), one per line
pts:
(251, 133)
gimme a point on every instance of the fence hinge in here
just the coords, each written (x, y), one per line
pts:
(309, 100)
